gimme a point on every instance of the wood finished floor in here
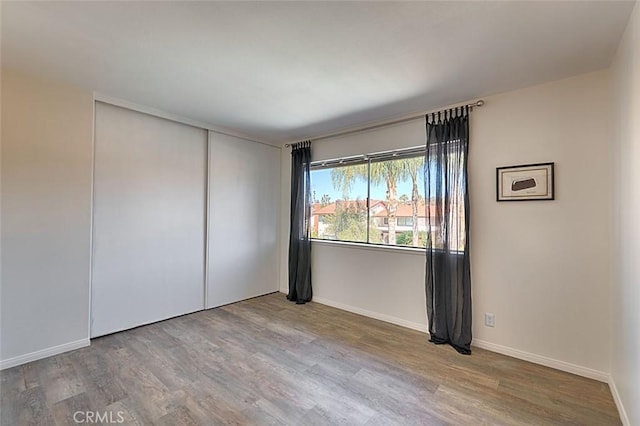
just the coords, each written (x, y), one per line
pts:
(267, 361)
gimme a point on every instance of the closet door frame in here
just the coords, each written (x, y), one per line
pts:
(211, 132)
(92, 258)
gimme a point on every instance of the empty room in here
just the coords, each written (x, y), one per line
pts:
(320, 213)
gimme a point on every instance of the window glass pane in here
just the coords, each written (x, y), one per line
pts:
(339, 209)
(397, 210)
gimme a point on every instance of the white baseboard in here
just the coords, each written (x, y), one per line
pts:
(616, 397)
(543, 360)
(375, 315)
(43, 353)
(515, 353)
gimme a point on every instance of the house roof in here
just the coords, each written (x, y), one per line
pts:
(331, 208)
(404, 210)
(378, 208)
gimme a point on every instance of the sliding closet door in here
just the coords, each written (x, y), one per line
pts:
(149, 219)
(244, 195)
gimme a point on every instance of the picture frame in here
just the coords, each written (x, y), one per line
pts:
(526, 182)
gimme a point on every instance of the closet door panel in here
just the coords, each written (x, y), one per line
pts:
(149, 219)
(244, 197)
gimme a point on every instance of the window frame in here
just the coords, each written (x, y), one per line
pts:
(397, 154)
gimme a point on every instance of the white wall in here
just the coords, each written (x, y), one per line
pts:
(543, 268)
(364, 280)
(47, 133)
(625, 362)
(46, 175)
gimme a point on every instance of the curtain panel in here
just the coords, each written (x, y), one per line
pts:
(299, 244)
(448, 275)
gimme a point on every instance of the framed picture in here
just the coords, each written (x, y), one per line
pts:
(526, 182)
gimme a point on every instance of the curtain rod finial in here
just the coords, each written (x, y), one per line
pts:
(480, 103)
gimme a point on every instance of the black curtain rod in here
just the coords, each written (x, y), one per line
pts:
(477, 103)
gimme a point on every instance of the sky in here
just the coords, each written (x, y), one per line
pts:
(321, 184)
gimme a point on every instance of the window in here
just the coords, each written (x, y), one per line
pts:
(340, 213)
(375, 199)
(405, 221)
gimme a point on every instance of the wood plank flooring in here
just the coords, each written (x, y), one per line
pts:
(266, 361)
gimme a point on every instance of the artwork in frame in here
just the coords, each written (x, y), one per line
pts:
(526, 182)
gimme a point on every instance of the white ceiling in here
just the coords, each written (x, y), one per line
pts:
(280, 71)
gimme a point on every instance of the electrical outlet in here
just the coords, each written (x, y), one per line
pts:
(489, 319)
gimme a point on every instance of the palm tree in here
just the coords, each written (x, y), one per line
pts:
(325, 200)
(343, 178)
(388, 172)
(414, 166)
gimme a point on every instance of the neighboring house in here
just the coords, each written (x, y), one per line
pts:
(380, 220)
(378, 213)
(404, 214)
(319, 212)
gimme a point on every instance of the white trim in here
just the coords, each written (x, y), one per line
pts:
(93, 180)
(390, 154)
(514, 353)
(616, 397)
(382, 317)
(43, 353)
(207, 223)
(174, 117)
(279, 231)
(543, 360)
(375, 247)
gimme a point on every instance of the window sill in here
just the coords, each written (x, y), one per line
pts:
(364, 246)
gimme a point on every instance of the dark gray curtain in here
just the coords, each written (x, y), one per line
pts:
(299, 244)
(448, 277)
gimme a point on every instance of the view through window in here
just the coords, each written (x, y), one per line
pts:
(377, 201)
